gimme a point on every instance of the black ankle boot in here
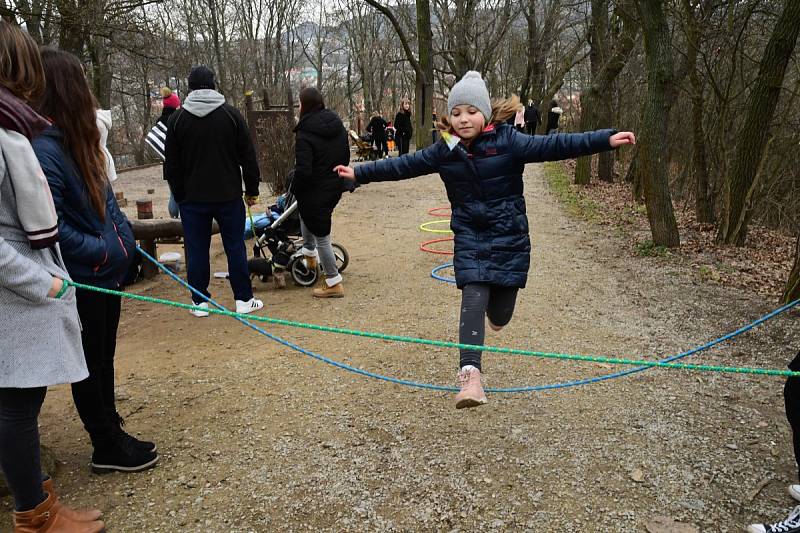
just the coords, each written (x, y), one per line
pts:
(122, 455)
(141, 444)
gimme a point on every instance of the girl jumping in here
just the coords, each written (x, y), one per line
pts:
(480, 160)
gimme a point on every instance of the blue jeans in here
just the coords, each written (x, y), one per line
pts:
(173, 208)
(196, 218)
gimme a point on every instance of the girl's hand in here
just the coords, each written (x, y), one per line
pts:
(623, 137)
(345, 172)
(56, 286)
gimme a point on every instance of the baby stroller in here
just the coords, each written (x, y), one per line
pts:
(364, 147)
(278, 233)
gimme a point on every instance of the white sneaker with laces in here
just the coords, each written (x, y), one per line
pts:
(794, 491)
(249, 306)
(790, 525)
(197, 312)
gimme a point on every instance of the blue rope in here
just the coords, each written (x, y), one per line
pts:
(435, 275)
(431, 386)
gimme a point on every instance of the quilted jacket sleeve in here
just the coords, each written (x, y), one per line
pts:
(535, 148)
(404, 167)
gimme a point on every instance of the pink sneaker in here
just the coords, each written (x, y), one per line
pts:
(494, 328)
(471, 394)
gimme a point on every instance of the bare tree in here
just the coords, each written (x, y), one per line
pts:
(753, 136)
(653, 150)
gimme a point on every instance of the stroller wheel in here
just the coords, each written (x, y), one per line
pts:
(342, 257)
(301, 274)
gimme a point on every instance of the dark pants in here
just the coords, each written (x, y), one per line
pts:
(381, 145)
(197, 218)
(530, 128)
(19, 445)
(479, 301)
(403, 142)
(791, 398)
(94, 396)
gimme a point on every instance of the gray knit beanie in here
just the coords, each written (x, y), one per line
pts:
(471, 90)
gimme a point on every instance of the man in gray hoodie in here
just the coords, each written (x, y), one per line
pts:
(209, 160)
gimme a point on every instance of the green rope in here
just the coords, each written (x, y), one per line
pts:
(446, 344)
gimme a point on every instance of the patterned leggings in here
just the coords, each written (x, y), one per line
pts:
(479, 301)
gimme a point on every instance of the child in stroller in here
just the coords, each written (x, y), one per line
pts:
(277, 232)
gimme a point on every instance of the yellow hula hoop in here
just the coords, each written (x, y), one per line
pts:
(426, 226)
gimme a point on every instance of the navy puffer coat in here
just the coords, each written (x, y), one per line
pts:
(484, 186)
(96, 252)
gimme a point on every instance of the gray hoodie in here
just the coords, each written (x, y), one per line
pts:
(201, 102)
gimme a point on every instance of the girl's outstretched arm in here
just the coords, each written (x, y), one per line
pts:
(535, 148)
(404, 167)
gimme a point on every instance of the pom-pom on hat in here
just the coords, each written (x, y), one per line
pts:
(171, 101)
(471, 90)
(201, 77)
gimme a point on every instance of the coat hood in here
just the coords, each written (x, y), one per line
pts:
(201, 102)
(324, 123)
(104, 119)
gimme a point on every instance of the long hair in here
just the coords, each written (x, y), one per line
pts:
(502, 110)
(20, 63)
(311, 100)
(402, 109)
(69, 103)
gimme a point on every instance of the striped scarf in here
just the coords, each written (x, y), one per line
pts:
(35, 208)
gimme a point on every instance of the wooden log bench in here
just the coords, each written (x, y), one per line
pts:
(151, 232)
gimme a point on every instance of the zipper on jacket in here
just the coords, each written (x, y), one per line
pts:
(116, 231)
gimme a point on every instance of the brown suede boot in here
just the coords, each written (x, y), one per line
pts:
(78, 515)
(337, 291)
(49, 517)
(311, 262)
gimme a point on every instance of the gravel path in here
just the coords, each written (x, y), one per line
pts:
(255, 437)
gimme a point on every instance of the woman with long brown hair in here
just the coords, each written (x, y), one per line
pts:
(98, 245)
(321, 144)
(38, 319)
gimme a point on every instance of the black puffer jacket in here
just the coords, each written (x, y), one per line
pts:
(321, 144)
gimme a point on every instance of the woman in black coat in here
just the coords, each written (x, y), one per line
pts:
(377, 127)
(402, 125)
(321, 144)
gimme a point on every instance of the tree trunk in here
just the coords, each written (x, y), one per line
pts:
(753, 135)
(792, 291)
(590, 104)
(101, 72)
(703, 202)
(71, 34)
(424, 86)
(212, 5)
(583, 165)
(653, 150)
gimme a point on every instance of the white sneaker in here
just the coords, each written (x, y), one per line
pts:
(790, 525)
(249, 306)
(794, 491)
(199, 313)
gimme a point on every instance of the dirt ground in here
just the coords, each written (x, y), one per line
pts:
(256, 437)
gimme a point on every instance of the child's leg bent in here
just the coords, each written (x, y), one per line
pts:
(501, 304)
(472, 327)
